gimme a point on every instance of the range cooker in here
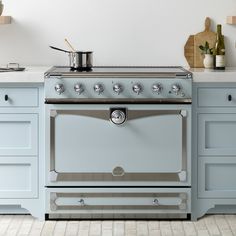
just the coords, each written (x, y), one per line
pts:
(118, 142)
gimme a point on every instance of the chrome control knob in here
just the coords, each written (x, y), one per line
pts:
(137, 88)
(79, 88)
(176, 88)
(157, 88)
(117, 88)
(118, 117)
(98, 88)
(59, 88)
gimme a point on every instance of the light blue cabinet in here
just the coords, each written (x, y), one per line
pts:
(21, 149)
(216, 177)
(15, 97)
(217, 134)
(18, 177)
(18, 134)
(214, 148)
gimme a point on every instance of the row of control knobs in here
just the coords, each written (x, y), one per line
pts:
(118, 88)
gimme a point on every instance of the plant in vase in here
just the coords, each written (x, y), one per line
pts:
(208, 60)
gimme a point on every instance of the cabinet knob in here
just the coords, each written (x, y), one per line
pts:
(229, 98)
(6, 97)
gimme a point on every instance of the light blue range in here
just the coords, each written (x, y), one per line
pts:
(118, 142)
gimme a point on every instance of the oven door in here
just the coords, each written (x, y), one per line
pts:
(118, 144)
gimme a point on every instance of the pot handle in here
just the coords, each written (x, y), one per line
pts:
(59, 49)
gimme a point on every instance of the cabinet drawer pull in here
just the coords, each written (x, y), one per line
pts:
(229, 98)
(6, 97)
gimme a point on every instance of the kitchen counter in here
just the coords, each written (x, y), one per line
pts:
(30, 75)
(35, 74)
(210, 75)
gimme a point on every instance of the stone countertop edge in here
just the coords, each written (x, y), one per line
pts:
(209, 75)
(31, 74)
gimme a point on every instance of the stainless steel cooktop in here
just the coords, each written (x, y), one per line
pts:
(119, 71)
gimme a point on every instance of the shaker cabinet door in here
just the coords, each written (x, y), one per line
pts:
(18, 177)
(216, 134)
(18, 134)
(216, 177)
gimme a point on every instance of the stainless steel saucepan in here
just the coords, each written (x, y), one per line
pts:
(78, 60)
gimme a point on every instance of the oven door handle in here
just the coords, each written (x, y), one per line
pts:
(106, 114)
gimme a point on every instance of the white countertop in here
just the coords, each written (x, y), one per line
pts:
(29, 75)
(35, 74)
(210, 75)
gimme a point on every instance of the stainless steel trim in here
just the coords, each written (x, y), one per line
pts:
(119, 100)
(52, 142)
(154, 204)
(184, 144)
(100, 114)
(119, 75)
(53, 176)
(53, 198)
(54, 72)
(96, 215)
(105, 115)
(109, 177)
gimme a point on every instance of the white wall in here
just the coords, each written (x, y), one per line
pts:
(120, 32)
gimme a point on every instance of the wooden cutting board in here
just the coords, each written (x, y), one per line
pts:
(191, 50)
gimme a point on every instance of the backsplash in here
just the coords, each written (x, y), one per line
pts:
(120, 32)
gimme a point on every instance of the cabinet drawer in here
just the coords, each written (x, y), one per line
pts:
(18, 177)
(216, 177)
(18, 134)
(18, 97)
(118, 200)
(216, 97)
(217, 134)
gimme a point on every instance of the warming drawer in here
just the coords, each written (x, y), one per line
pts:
(120, 201)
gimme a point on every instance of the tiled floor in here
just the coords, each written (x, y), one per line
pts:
(224, 225)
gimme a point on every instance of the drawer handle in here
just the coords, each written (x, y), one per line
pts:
(6, 97)
(229, 98)
(81, 201)
(155, 202)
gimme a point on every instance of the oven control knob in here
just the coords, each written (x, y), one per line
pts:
(79, 88)
(59, 88)
(157, 88)
(176, 88)
(118, 117)
(137, 88)
(98, 88)
(117, 88)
